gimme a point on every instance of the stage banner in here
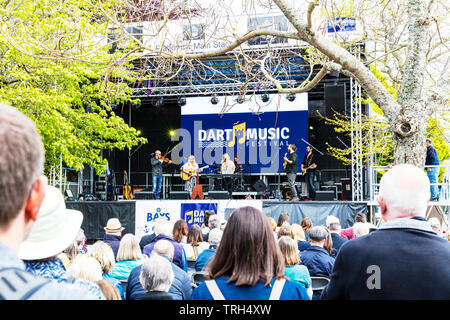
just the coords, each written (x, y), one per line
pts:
(193, 211)
(257, 132)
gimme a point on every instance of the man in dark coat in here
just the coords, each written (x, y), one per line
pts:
(113, 234)
(404, 259)
(316, 258)
(181, 288)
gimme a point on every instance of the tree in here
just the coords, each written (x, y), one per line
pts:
(70, 99)
(406, 42)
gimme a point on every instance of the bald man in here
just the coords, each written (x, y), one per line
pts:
(404, 259)
(181, 288)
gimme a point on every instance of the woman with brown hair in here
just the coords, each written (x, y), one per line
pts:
(248, 264)
(195, 244)
(180, 231)
(307, 225)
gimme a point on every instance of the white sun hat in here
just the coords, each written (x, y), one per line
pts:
(56, 227)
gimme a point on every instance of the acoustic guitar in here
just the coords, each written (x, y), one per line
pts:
(285, 162)
(187, 174)
(127, 193)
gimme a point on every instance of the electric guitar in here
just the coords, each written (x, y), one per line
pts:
(313, 166)
(187, 174)
(127, 193)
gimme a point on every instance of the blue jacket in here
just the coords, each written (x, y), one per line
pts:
(181, 288)
(432, 158)
(303, 245)
(318, 261)
(113, 241)
(291, 291)
(179, 257)
(204, 258)
(409, 260)
(338, 241)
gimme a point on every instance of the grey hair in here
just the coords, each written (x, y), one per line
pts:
(429, 140)
(163, 227)
(318, 233)
(156, 274)
(214, 221)
(21, 160)
(215, 235)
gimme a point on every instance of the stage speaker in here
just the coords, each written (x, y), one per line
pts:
(219, 194)
(334, 98)
(346, 189)
(179, 195)
(260, 186)
(144, 195)
(324, 195)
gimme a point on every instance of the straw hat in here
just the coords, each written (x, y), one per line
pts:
(55, 229)
(113, 225)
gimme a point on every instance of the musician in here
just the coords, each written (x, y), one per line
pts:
(291, 169)
(192, 168)
(228, 167)
(239, 167)
(308, 167)
(157, 163)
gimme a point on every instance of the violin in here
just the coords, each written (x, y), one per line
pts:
(164, 159)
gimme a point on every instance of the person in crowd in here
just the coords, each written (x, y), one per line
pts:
(348, 233)
(334, 228)
(55, 228)
(432, 159)
(103, 253)
(214, 221)
(163, 230)
(195, 244)
(299, 236)
(273, 223)
(205, 226)
(285, 230)
(180, 231)
(21, 148)
(317, 259)
(361, 229)
(129, 257)
(328, 245)
(248, 263)
(181, 286)
(215, 235)
(69, 254)
(400, 264)
(113, 234)
(282, 218)
(156, 278)
(86, 267)
(81, 241)
(109, 290)
(306, 224)
(293, 269)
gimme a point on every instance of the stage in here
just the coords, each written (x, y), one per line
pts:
(138, 216)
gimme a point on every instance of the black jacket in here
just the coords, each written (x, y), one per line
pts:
(405, 256)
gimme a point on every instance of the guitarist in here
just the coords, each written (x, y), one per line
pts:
(157, 173)
(290, 167)
(192, 168)
(309, 170)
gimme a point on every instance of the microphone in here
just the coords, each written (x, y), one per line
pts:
(152, 154)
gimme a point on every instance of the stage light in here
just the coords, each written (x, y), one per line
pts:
(159, 102)
(214, 100)
(311, 128)
(290, 97)
(181, 101)
(264, 97)
(171, 133)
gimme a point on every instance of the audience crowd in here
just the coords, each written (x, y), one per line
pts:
(250, 256)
